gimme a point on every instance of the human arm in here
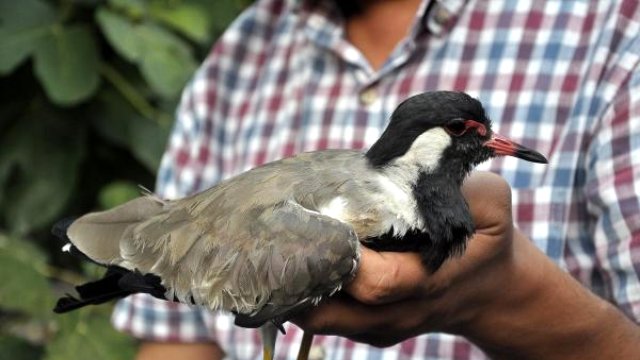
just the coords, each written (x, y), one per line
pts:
(175, 350)
(503, 294)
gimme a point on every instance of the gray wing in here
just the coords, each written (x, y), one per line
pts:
(264, 257)
(278, 257)
(243, 245)
(322, 254)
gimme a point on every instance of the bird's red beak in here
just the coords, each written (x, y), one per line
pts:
(503, 146)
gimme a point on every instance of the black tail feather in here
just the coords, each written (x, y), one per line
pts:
(59, 229)
(69, 303)
(136, 282)
(108, 283)
(91, 293)
(116, 283)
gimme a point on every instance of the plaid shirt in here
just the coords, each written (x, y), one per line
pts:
(562, 77)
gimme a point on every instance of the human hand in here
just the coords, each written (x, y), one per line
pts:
(393, 297)
(503, 294)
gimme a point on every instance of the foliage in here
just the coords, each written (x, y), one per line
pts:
(88, 92)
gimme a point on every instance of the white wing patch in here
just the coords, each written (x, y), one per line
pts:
(400, 205)
(336, 208)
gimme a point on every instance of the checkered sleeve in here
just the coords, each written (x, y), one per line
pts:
(613, 195)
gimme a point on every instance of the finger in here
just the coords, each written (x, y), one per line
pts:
(378, 340)
(385, 277)
(489, 199)
(346, 316)
(343, 316)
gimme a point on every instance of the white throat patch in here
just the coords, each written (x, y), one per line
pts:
(399, 177)
(425, 152)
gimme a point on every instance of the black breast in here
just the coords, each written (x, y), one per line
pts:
(448, 223)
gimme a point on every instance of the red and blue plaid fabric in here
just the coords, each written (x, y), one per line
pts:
(562, 77)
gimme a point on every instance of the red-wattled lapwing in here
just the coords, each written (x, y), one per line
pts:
(277, 239)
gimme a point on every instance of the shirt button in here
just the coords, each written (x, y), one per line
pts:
(368, 96)
(316, 352)
(441, 16)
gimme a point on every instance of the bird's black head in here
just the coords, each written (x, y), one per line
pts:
(443, 129)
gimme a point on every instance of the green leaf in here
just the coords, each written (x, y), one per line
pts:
(116, 193)
(191, 20)
(24, 289)
(67, 65)
(87, 334)
(133, 8)
(148, 140)
(121, 34)
(116, 121)
(39, 161)
(165, 60)
(223, 12)
(112, 117)
(23, 24)
(23, 250)
(148, 145)
(15, 348)
(167, 71)
(168, 62)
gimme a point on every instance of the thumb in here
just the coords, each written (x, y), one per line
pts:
(385, 277)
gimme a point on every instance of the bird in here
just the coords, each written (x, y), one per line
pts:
(276, 240)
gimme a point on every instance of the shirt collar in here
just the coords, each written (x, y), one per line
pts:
(433, 15)
(323, 26)
(439, 15)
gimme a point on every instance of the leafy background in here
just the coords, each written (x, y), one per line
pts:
(88, 90)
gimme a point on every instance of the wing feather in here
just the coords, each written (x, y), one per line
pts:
(238, 246)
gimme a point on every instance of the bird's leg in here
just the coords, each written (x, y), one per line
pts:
(305, 346)
(269, 333)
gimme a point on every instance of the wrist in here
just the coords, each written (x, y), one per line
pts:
(544, 313)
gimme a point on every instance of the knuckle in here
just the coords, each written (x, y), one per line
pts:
(500, 190)
(377, 289)
(373, 295)
(501, 194)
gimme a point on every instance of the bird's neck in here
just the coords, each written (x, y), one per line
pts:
(409, 154)
(435, 191)
(447, 172)
(447, 219)
(441, 221)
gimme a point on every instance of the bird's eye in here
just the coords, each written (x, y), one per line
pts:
(456, 127)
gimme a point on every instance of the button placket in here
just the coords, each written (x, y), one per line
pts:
(368, 96)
